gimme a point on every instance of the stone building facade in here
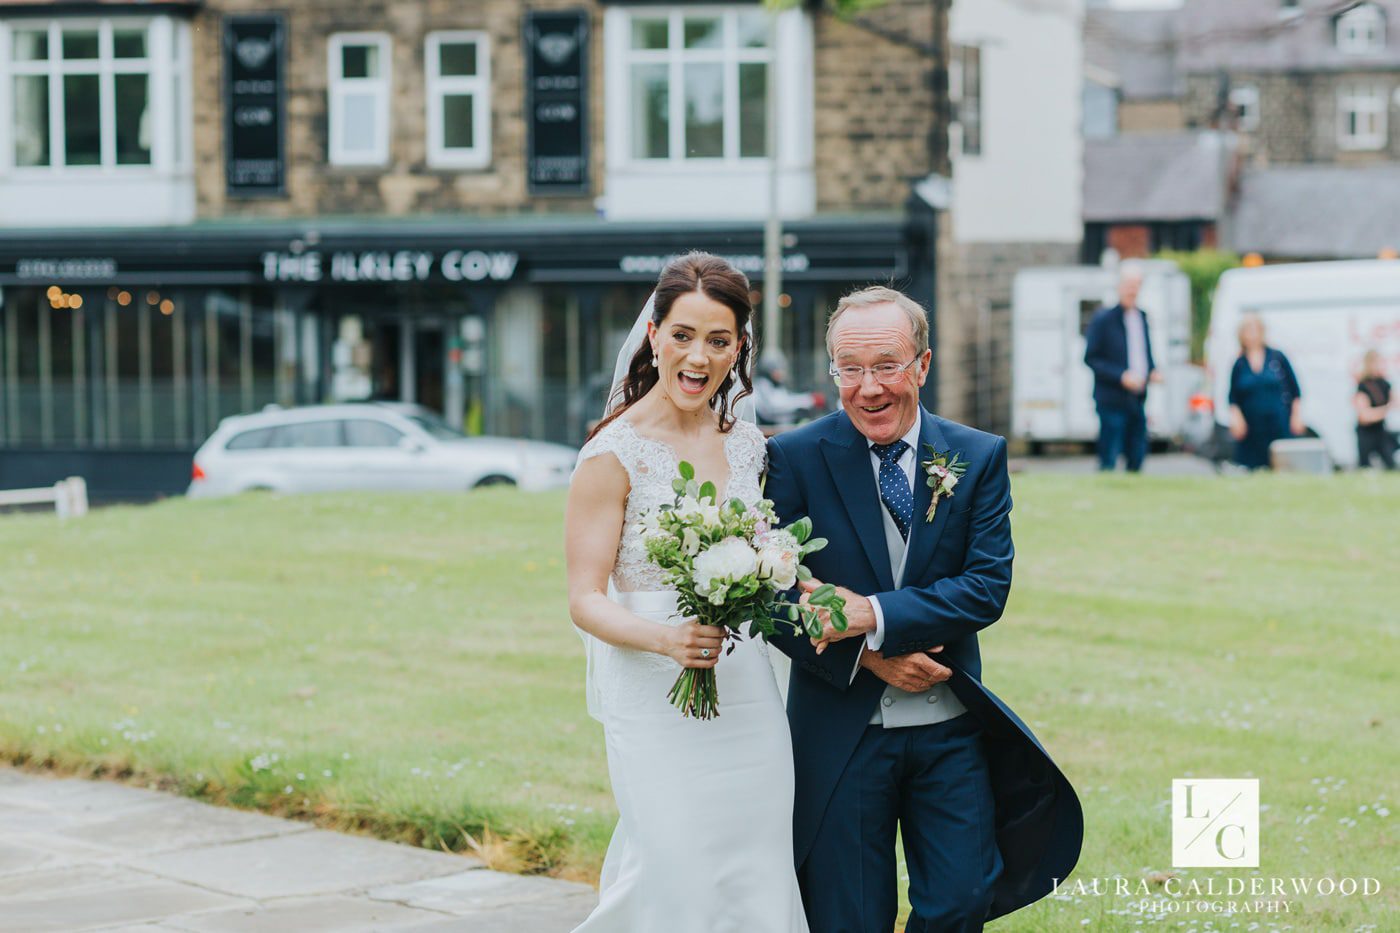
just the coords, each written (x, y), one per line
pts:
(1298, 113)
(877, 87)
(1310, 82)
(164, 298)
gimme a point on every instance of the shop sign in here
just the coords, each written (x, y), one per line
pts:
(749, 264)
(65, 270)
(405, 265)
(253, 128)
(556, 100)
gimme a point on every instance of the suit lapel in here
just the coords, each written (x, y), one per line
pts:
(923, 536)
(847, 456)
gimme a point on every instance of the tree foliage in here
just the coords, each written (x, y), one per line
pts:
(1204, 268)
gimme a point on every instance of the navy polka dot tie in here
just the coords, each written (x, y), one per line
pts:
(894, 485)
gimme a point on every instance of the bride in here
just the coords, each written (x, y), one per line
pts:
(704, 835)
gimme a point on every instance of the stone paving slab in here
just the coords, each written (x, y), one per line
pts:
(471, 892)
(178, 824)
(559, 915)
(342, 914)
(98, 856)
(98, 907)
(313, 862)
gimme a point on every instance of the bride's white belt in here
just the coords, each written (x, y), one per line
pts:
(652, 605)
(655, 605)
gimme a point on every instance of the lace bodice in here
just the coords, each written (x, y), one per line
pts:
(651, 465)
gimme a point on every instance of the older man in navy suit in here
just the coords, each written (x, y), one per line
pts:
(1118, 348)
(891, 726)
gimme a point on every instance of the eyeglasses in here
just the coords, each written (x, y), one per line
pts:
(885, 373)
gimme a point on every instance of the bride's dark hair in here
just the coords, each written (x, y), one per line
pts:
(717, 280)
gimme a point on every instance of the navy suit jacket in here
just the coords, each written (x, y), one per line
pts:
(956, 580)
(1106, 353)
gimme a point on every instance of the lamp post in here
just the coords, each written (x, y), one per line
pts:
(773, 226)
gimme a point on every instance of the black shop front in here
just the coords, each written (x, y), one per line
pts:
(121, 350)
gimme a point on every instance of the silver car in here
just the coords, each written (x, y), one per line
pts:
(371, 445)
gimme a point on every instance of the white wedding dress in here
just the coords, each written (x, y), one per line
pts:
(704, 836)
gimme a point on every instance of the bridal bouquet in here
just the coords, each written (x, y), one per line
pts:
(729, 564)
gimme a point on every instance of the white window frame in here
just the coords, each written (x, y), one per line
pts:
(676, 58)
(1361, 30)
(164, 58)
(438, 86)
(711, 188)
(1245, 100)
(958, 143)
(337, 87)
(1363, 99)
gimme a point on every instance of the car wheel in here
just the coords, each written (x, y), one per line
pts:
(494, 480)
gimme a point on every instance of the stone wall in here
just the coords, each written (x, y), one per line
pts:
(974, 325)
(1297, 114)
(881, 103)
(880, 109)
(406, 184)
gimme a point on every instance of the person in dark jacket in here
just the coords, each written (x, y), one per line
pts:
(1118, 349)
(1265, 401)
(1372, 402)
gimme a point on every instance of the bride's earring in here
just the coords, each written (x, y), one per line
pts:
(653, 362)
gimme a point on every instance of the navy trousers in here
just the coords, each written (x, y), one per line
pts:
(930, 782)
(1122, 430)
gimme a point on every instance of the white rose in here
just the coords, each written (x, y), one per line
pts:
(709, 515)
(729, 560)
(688, 508)
(690, 541)
(949, 482)
(779, 566)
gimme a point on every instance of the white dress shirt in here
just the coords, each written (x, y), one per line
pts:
(907, 462)
(1137, 342)
(899, 708)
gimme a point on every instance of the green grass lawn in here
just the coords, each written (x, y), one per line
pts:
(404, 665)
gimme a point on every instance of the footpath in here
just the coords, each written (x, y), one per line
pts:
(92, 855)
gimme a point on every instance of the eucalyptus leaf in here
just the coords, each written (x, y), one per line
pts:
(679, 486)
(708, 491)
(687, 471)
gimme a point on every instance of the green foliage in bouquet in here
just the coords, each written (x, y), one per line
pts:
(731, 565)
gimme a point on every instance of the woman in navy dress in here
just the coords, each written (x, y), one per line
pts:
(1264, 397)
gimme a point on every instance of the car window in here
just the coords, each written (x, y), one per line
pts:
(251, 440)
(435, 426)
(309, 434)
(366, 433)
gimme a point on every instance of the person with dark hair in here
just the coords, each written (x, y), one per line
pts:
(704, 835)
(1265, 401)
(1373, 402)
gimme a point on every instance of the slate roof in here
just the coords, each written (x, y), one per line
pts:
(1156, 176)
(1317, 211)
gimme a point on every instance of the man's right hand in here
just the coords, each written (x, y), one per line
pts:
(912, 673)
(1132, 381)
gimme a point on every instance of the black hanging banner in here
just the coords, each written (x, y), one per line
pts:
(556, 98)
(254, 162)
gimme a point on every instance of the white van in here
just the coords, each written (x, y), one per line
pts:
(1052, 390)
(1324, 316)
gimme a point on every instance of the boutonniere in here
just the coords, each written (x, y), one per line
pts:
(942, 472)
